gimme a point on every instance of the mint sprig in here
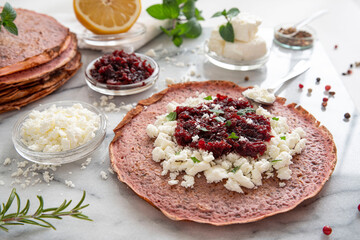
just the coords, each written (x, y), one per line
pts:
(185, 19)
(226, 30)
(7, 17)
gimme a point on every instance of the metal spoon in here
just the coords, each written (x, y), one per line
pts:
(298, 69)
(307, 20)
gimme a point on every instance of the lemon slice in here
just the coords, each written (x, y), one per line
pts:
(107, 16)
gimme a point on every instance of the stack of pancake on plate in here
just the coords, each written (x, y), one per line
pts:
(38, 61)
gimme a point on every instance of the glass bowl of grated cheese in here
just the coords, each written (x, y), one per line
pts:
(59, 132)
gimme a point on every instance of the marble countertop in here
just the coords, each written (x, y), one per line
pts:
(118, 213)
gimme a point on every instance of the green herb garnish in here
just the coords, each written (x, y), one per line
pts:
(235, 169)
(283, 138)
(244, 111)
(217, 111)
(39, 218)
(220, 119)
(275, 118)
(228, 123)
(233, 136)
(203, 129)
(226, 30)
(195, 160)
(276, 160)
(185, 19)
(171, 116)
(7, 17)
(177, 153)
(208, 98)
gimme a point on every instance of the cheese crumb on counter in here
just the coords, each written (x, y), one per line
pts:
(70, 184)
(103, 175)
(59, 129)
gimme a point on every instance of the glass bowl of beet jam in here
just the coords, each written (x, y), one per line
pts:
(121, 73)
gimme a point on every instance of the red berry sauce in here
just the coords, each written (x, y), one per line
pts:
(327, 87)
(359, 207)
(223, 118)
(327, 230)
(301, 86)
(121, 68)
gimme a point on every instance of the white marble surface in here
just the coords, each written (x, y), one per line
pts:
(119, 214)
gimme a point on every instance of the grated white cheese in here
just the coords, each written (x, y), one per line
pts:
(236, 170)
(59, 129)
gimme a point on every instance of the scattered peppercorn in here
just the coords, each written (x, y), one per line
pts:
(301, 86)
(327, 230)
(309, 90)
(351, 65)
(324, 104)
(246, 78)
(318, 79)
(327, 87)
(332, 93)
(325, 99)
(349, 71)
(336, 46)
(343, 74)
(347, 115)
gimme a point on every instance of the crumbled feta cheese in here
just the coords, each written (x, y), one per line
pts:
(259, 94)
(69, 184)
(151, 52)
(188, 181)
(7, 161)
(86, 163)
(152, 131)
(59, 129)
(103, 175)
(169, 81)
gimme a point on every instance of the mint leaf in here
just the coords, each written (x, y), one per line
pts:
(233, 12)
(177, 40)
(244, 111)
(220, 119)
(171, 9)
(11, 27)
(8, 14)
(227, 32)
(203, 129)
(198, 15)
(194, 29)
(217, 111)
(233, 136)
(228, 123)
(195, 160)
(189, 9)
(275, 118)
(156, 11)
(217, 14)
(171, 116)
(283, 138)
(208, 98)
(235, 169)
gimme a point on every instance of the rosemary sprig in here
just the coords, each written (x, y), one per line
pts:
(21, 217)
